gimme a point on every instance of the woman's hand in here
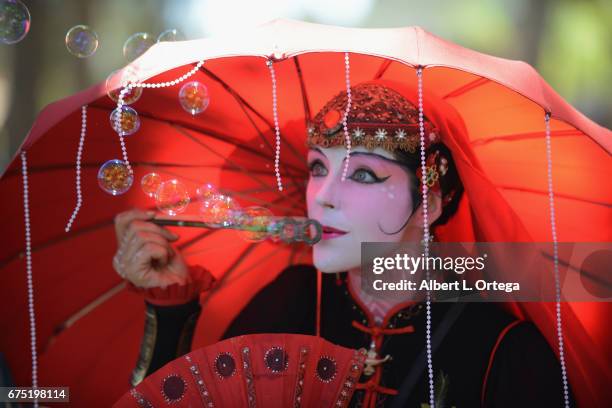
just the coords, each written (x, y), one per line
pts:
(145, 255)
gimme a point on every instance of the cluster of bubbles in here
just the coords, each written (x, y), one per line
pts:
(171, 196)
(81, 41)
(215, 208)
(138, 43)
(14, 21)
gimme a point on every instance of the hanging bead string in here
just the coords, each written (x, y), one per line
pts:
(279, 182)
(553, 225)
(425, 236)
(347, 71)
(28, 248)
(128, 87)
(79, 201)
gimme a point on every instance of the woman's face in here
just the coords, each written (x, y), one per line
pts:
(375, 197)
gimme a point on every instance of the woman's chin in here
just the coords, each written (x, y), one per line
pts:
(332, 264)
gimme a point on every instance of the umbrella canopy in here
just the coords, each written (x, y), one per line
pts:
(88, 328)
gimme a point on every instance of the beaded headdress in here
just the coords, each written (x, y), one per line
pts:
(380, 117)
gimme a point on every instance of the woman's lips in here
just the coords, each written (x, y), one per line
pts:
(331, 232)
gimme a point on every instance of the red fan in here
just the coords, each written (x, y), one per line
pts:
(265, 370)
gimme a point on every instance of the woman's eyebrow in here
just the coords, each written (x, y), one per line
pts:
(316, 149)
(377, 156)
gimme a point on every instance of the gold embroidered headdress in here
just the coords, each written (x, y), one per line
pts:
(379, 117)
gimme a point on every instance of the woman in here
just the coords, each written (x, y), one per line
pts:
(482, 355)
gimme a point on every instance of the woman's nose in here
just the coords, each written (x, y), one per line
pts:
(326, 196)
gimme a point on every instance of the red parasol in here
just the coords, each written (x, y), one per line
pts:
(88, 328)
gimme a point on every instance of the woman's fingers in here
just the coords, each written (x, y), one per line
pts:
(140, 239)
(124, 219)
(137, 226)
(147, 258)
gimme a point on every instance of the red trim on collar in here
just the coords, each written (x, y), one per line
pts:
(501, 336)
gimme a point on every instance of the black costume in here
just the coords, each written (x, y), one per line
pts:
(480, 353)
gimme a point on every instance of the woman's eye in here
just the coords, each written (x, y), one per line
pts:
(366, 177)
(317, 169)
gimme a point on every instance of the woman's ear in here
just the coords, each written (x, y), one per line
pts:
(414, 229)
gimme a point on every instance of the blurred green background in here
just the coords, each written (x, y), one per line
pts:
(568, 41)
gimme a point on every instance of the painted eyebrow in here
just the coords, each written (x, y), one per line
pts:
(316, 149)
(399, 163)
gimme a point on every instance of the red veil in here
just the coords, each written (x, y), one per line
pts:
(485, 215)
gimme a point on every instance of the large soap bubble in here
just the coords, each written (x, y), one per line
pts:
(128, 122)
(219, 209)
(172, 197)
(14, 21)
(258, 220)
(194, 97)
(150, 184)
(117, 80)
(137, 45)
(81, 41)
(114, 177)
(171, 35)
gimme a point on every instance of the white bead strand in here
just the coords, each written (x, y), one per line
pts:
(425, 236)
(553, 226)
(279, 182)
(79, 194)
(128, 88)
(349, 100)
(28, 249)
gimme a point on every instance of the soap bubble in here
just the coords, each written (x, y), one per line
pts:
(257, 218)
(115, 82)
(219, 209)
(206, 192)
(172, 197)
(171, 35)
(194, 97)
(129, 121)
(14, 21)
(150, 184)
(285, 229)
(81, 41)
(114, 177)
(137, 45)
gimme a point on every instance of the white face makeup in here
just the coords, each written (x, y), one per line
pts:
(374, 199)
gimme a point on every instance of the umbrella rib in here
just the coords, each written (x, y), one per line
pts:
(307, 114)
(524, 136)
(256, 179)
(58, 167)
(557, 195)
(229, 271)
(82, 313)
(241, 100)
(467, 87)
(210, 133)
(382, 69)
(227, 168)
